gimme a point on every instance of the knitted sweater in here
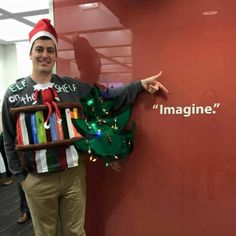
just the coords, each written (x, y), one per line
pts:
(21, 94)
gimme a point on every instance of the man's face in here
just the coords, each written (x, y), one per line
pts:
(43, 56)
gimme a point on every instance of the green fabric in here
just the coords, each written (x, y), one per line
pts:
(92, 125)
(108, 148)
(103, 129)
(95, 104)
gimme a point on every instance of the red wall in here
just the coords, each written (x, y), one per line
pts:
(180, 179)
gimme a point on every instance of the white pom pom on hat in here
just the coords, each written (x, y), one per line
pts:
(43, 28)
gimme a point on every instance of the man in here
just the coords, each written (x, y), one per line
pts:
(8, 180)
(55, 183)
(25, 215)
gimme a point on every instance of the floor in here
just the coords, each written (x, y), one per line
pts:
(9, 213)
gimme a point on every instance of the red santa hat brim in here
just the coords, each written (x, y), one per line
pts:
(43, 28)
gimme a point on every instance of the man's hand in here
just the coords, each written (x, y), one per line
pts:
(152, 85)
(116, 166)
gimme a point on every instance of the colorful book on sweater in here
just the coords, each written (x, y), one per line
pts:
(21, 130)
(59, 130)
(69, 123)
(75, 113)
(71, 129)
(40, 127)
(53, 127)
(34, 128)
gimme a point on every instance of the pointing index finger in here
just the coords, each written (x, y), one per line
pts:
(160, 86)
(158, 75)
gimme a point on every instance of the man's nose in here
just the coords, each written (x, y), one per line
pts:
(45, 53)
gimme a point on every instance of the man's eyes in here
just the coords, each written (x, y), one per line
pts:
(39, 49)
(49, 50)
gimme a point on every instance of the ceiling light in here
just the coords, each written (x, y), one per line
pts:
(210, 13)
(13, 30)
(88, 6)
(15, 6)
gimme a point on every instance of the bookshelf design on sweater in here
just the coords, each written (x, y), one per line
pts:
(34, 132)
(92, 125)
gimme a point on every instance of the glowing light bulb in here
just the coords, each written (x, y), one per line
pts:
(90, 102)
(94, 126)
(99, 133)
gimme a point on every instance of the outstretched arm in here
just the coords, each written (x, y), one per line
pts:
(127, 94)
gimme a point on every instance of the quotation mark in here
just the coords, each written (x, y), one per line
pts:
(155, 106)
(216, 105)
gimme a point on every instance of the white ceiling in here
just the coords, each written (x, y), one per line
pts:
(17, 17)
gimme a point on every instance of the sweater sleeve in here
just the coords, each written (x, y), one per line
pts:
(126, 94)
(9, 136)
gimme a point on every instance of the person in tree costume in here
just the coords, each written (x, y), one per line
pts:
(39, 116)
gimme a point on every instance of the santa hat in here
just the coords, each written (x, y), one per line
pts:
(43, 28)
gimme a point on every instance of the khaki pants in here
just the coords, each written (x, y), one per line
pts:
(57, 197)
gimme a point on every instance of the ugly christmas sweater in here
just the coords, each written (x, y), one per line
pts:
(19, 127)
